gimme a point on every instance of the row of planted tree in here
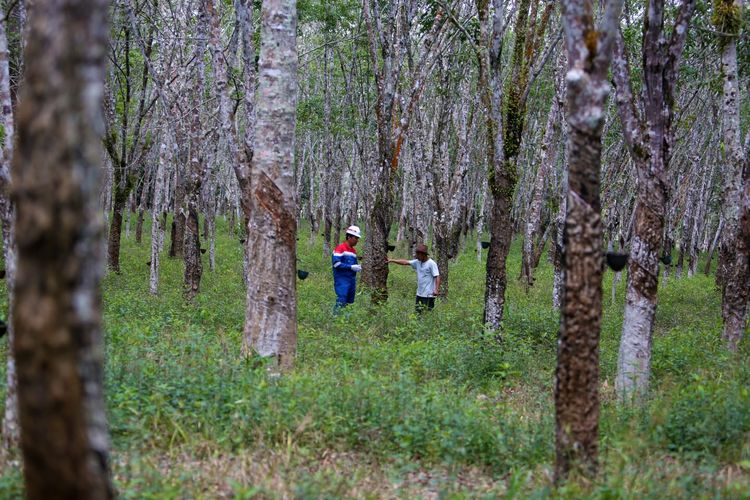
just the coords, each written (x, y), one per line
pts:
(411, 116)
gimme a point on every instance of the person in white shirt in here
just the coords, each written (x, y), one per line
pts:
(428, 277)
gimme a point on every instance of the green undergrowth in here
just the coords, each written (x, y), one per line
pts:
(386, 403)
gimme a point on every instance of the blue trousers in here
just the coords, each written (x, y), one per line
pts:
(345, 290)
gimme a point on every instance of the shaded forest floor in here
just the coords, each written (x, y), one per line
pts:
(385, 404)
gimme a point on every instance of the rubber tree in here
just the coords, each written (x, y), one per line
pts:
(389, 24)
(506, 121)
(197, 170)
(125, 139)
(731, 272)
(57, 312)
(589, 50)
(649, 137)
(271, 314)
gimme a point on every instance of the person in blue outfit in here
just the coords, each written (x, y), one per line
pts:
(345, 268)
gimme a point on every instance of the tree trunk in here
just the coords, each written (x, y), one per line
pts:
(556, 248)
(115, 231)
(139, 226)
(271, 315)
(649, 139)
(506, 135)
(480, 219)
(158, 206)
(712, 248)
(499, 185)
(737, 290)
(57, 312)
(727, 20)
(11, 432)
(577, 374)
(192, 250)
(139, 198)
(177, 240)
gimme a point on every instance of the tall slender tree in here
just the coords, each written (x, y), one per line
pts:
(731, 272)
(649, 137)
(197, 172)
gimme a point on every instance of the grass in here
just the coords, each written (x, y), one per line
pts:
(386, 404)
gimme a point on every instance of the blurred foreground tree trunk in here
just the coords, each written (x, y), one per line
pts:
(7, 216)
(57, 312)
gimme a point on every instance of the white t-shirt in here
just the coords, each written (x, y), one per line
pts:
(427, 271)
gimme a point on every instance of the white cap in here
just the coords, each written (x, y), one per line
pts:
(354, 231)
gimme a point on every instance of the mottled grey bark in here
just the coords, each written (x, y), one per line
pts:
(271, 314)
(727, 18)
(649, 137)
(158, 207)
(197, 171)
(332, 173)
(732, 268)
(506, 133)
(577, 374)
(737, 289)
(57, 312)
(500, 186)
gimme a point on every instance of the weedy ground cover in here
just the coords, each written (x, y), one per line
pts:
(383, 403)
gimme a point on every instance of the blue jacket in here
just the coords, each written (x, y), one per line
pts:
(343, 258)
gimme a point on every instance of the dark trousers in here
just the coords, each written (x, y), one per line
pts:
(345, 291)
(425, 303)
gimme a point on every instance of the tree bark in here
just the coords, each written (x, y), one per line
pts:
(506, 135)
(649, 137)
(577, 374)
(499, 204)
(158, 207)
(712, 247)
(115, 233)
(271, 315)
(727, 18)
(57, 312)
(732, 268)
(192, 250)
(737, 289)
(11, 432)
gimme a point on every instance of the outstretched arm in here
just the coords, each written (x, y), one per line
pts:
(400, 262)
